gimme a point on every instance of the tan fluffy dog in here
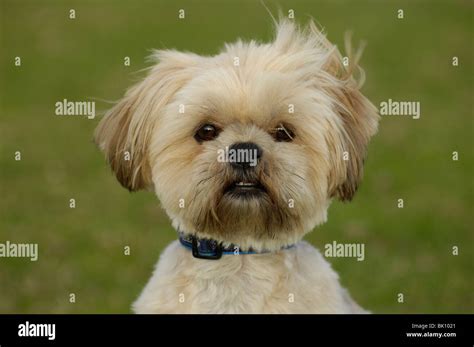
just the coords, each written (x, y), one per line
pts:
(297, 113)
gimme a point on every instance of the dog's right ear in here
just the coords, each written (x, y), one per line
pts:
(125, 131)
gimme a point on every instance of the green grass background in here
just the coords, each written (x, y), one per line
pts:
(408, 250)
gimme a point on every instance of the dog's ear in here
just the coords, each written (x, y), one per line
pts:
(359, 121)
(125, 131)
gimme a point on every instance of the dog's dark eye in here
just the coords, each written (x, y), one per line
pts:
(207, 132)
(283, 134)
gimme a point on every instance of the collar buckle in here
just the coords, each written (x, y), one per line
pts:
(206, 249)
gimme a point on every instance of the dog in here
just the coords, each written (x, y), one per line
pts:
(295, 127)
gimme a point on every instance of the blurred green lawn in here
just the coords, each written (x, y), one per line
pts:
(408, 250)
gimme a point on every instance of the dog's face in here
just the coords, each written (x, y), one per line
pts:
(246, 147)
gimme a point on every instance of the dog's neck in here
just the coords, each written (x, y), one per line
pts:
(205, 248)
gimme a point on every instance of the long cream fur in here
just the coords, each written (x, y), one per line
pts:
(298, 280)
(332, 123)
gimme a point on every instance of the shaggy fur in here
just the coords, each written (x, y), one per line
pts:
(246, 103)
(297, 280)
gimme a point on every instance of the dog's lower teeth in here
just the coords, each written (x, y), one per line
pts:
(245, 184)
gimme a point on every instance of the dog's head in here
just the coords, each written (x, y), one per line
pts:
(248, 146)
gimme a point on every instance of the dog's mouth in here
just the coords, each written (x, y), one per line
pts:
(242, 189)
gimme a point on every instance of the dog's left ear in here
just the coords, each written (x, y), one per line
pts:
(125, 131)
(359, 122)
(357, 119)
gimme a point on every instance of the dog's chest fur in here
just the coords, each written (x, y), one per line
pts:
(297, 280)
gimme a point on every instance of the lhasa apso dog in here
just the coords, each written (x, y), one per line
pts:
(245, 151)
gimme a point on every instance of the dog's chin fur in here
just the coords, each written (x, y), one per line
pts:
(298, 81)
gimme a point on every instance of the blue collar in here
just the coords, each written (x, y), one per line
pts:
(212, 249)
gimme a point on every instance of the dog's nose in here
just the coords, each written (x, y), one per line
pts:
(245, 155)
